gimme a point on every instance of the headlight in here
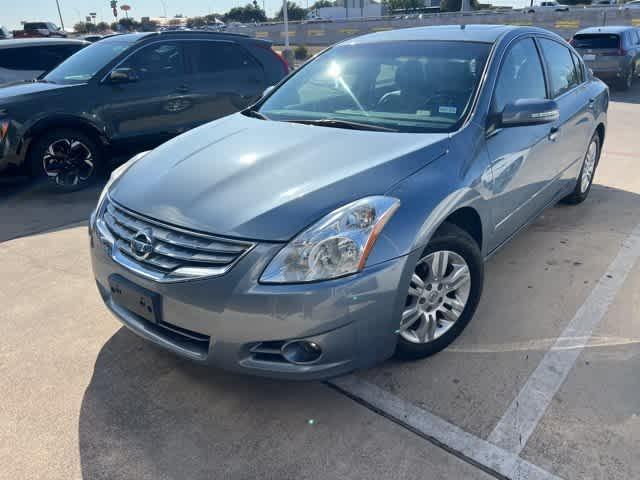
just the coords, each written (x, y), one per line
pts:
(337, 245)
(117, 173)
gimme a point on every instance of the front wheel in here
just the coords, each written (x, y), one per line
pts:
(443, 294)
(69, 159)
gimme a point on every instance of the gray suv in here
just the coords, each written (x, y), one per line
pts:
(347, 215)
(612, 53)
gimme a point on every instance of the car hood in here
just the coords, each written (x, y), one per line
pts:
(19, 90)
(267, 180)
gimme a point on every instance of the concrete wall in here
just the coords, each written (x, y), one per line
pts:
(563, 23)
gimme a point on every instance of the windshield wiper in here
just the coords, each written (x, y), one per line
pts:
(332, 122)
(249, 112)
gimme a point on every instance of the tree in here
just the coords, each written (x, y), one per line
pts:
(456, 5)
(84, 27)
(102, 27)
(322, 4)
(251, 12)
(196, 22)
(294, 12)
(407, 5)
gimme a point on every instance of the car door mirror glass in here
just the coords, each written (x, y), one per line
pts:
(123, 75)
(529, 112)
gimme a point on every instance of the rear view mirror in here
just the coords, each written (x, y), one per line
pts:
(123, 75)
(529, 112)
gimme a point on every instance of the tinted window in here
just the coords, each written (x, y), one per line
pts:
(42, 58)
(419, 86)
(521, 76)
(83, 65)
(214, 57)
(562, 72)
(579, 68)
(164, 59)
(36, 26)
(595, 41)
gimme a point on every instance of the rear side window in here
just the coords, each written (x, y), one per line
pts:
(521, 76)
(41, 58)
(159, 60)
(562, 71)
(579, 68)
(36, 26)
(594, 41)
(218, 57)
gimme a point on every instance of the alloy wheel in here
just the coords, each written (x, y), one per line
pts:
(589, 166)
(68, 162)
(438, 293)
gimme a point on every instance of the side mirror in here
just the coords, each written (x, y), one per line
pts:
(123, 75)
(267, 90)
(529, 112)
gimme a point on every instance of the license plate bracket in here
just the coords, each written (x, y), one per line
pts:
(135, 298)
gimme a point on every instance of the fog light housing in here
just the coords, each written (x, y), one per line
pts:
(301, 352)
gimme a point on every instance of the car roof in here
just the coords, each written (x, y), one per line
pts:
(468, 33)
(141, 36)
(29, 42)
(608, 29)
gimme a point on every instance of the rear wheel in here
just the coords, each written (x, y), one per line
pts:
(443, 294)
(587, 172)
(69, 159)
(626, 83)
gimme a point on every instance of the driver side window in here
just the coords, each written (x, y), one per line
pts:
(160, 60)
(520, 77)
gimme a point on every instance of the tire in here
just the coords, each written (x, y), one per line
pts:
(459, 246)
(68, 159)
(626, 83)
(581, 192)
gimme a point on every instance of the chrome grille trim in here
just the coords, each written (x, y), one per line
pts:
(178, 254)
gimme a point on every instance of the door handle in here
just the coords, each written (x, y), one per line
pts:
(553, 133)
(182, 89)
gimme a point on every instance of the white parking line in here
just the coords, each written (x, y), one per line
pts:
(521, 418)
(453, 438)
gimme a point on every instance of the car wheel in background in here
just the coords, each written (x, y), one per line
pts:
(443, 293)
(69, 159)
(587, 172)
(626, 83)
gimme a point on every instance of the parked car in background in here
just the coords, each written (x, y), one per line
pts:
(604, 3)
(39, 29)
(348, 213)
(632, 4)
(129, 92)
(550, 6)
(612, 53)
(5, 34)
(27, 59)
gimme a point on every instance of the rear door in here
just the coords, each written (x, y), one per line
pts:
(158, 105)
(567, 88)
(224, 78)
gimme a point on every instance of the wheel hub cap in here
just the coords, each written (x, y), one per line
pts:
(68, 162)
(437, 296)
(589, 167)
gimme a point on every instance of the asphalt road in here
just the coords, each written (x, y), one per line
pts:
(543, 383)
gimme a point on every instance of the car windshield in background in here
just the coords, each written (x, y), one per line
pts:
(82, 66)
(595, 41)
(420, 86)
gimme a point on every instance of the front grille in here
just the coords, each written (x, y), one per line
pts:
(175, 254)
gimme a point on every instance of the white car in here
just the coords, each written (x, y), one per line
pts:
(632, 4)
(550, 6)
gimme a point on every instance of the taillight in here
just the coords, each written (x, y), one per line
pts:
(4, 129)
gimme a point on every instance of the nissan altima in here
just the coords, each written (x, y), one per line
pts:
(346, 216)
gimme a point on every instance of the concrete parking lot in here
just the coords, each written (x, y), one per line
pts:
(542, 384)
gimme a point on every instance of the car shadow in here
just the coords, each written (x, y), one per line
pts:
(629, 96)
(28, 207)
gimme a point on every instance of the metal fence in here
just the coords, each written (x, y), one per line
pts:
(563, 23)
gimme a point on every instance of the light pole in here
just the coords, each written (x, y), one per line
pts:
(60, 14)
(286, 53)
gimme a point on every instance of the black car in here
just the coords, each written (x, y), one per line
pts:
(128, 93)
(27, 59)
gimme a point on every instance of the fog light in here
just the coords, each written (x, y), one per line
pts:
(301, 352)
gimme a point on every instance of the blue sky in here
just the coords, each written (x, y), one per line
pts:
(14, 11)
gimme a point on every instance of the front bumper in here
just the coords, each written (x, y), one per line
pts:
(219, 320)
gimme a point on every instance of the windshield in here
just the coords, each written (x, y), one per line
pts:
(83, 65)
(595, 41)
(417, 86)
